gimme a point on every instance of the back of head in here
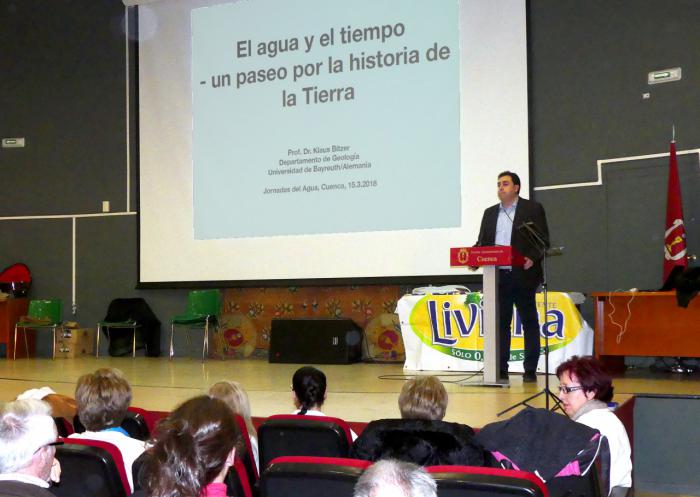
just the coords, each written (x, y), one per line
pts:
(423, 397)
(102, 398)
(590, 374)
(390, 478)
(233, 394)
(190, 448)
(25, 427)
(309, 385)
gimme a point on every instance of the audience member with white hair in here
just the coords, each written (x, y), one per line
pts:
(27, 449)
(391, 478)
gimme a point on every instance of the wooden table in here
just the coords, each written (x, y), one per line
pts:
(10, 312)
(655, 326)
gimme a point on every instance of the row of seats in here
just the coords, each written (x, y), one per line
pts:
(301, 455)
(300, 476)
(96, 469)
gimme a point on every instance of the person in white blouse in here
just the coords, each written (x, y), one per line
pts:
(585, 388)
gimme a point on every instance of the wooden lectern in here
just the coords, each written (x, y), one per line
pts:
(489, 258)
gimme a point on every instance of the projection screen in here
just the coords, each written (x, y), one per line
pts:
(293, 141)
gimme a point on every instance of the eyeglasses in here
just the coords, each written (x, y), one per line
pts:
(50, 444)
(567, 389)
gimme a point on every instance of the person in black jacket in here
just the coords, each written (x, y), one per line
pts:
(501, 225)
(421, 436)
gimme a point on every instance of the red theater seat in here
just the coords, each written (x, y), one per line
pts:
(294, 435)
(305, 476)
(91, 467)
(458, 481)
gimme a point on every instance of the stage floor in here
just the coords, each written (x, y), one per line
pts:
(357, 392)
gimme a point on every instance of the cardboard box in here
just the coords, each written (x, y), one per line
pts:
(75, 342)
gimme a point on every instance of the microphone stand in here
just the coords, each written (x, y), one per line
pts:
(537, 240)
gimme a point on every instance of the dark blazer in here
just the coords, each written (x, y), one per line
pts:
(11, 488)
(423, 442)
(526, 211)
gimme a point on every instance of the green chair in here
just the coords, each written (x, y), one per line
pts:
(203, 308)
(41, 314)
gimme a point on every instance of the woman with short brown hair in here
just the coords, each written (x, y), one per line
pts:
(103, 398)
(423, 397)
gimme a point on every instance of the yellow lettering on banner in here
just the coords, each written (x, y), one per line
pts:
(447, 323)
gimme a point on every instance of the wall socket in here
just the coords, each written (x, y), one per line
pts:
(105, 206)
(12, 142)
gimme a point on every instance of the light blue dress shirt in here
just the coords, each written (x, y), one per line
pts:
(504, 226)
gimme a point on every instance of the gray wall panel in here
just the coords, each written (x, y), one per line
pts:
(666, 453)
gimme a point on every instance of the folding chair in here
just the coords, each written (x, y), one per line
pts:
(41, 314)
(203, 309)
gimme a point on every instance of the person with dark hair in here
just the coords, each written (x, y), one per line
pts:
(516, 285)
(309, 388)
(585, 389)
(192, 451)
(102, 399)
(309, 392)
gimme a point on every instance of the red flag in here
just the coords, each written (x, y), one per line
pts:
(674, 239)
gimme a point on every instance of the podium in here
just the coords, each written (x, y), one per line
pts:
(488, 258)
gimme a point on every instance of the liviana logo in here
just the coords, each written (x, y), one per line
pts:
(447, 324)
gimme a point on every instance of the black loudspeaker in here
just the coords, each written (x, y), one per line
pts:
(316, 341)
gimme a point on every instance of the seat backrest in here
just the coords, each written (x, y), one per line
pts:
(150, 417)
(457, 481)
(90, 468)
(63, 427)
(294, 435)
(248, 458)
(51, 309)
(300, 476)
(237, 481)
(204, 302)
(135, 425)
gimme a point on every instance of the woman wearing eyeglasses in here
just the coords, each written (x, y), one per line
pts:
(585, 388)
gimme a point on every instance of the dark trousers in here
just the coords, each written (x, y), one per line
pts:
(512, 291)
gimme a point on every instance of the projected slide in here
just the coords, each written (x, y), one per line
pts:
(313, 119)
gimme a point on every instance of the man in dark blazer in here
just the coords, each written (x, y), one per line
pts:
(516, 285)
